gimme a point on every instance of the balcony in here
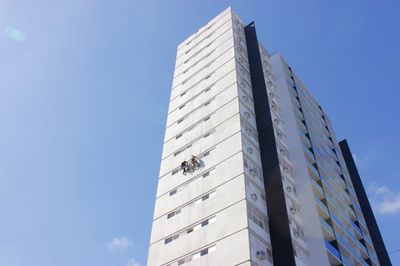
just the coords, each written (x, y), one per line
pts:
(312, 170)
(363, 248)
(302, 127)
(357, 229)
(328, 230)
(343, 242)
(350, 235)
(306, 141)
(326, 184)
(347, 262)
(346, 197)
(343, 204)
(325, 212)
(317, 188)
(308, 153)
(334, 255)
(368, 240)
(337, 221)
(353, 238)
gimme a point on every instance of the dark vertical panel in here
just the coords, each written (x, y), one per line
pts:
(282, 247)
(373, 228)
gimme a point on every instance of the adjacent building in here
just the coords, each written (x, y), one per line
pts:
(251, 171)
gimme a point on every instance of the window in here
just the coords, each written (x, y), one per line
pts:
(204, 223)
(178, 136)
(172, 214)
(207, 103)
(180, 107)
(179, 121)
(207, 89)
(212, 249)
(196, 255)
(175, 171)
(173, 192)
(199, 60)
(207, 118)
(183, 93)
(206, 154)
(190, 230)
(196, 227)
(205, 197)
(206, 135)
(198, 201)
(213, 219)
(204, 252)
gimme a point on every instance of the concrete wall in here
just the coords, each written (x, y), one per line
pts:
(211, 115)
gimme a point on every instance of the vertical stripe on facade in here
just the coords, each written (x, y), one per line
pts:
(275, 196)
(369, 217)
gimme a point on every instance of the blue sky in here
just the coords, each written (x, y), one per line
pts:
(83, 100)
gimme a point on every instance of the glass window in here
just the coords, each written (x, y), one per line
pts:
(204, 223)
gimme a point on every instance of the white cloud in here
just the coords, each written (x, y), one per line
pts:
(119, 243)
(133, 262)
(383, 199)
(15, 34)
(365, 160)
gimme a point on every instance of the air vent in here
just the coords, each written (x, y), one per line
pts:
(249, 150)
(253, 172)
(254, 196)
(261, 255)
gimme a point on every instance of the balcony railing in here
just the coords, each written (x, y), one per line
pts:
(332, 250)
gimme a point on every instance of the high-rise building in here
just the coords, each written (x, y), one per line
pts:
(251, 171)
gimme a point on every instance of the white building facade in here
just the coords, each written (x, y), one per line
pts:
(251, 173)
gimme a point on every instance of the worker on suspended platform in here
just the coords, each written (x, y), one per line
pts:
(185, 167)
(195, 162)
